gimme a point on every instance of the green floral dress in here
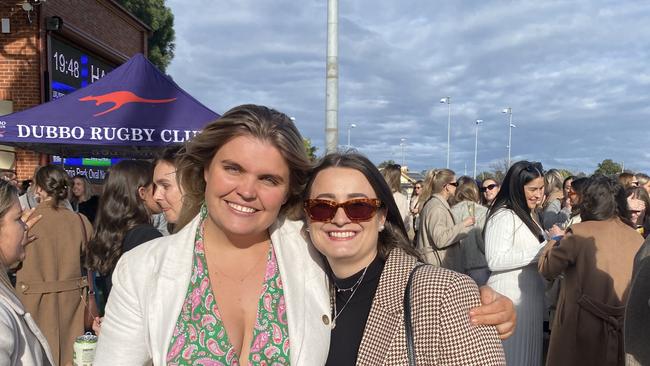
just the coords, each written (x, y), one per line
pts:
(200, 338)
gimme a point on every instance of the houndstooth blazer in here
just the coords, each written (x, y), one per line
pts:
(442, 333)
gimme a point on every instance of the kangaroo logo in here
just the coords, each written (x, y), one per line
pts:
(120, 98)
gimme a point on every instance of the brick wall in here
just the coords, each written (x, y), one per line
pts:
(20, 79)
(26, 162)
(96, 24)
(101, 20)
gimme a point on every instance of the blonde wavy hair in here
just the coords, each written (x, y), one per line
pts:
(434, 182)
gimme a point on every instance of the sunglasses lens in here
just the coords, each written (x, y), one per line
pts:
(491, 186)
(320, 211)
(359, 210)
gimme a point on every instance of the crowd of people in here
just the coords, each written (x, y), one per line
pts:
(561, 248)
(235, 248)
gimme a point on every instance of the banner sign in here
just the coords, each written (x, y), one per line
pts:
(135, 105)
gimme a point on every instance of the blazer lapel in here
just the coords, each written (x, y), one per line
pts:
(293, 283)
(173, 281)
(386, 316)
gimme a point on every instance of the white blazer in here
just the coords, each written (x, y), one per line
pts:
(150, 283)
(21, 342)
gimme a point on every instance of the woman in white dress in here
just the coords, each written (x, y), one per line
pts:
(513, 243)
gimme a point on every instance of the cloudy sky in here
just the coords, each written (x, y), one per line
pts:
(575, 73)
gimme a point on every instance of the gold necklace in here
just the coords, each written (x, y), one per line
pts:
(248, 272)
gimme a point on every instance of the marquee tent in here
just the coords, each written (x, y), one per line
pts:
(131, 111)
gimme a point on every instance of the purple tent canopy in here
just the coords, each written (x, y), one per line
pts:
(129, 112)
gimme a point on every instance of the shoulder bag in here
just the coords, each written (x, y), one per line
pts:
(408, 325)
(90, 303)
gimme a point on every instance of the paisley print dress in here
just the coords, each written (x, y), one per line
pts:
(200, 338)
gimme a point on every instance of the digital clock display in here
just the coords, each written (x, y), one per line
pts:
(72, 68)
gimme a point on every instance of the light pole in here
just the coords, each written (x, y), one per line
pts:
(508, 111)
(448, 101)
(332, 78)
(350, 127)
(401, 144)
(478, 122)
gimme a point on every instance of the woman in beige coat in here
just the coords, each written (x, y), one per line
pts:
(596, 257)
(49, 283)
(439, 235)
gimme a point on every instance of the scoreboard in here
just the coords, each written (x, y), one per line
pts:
(72, 68)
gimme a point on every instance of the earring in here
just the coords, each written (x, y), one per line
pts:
(381, 228)
(307, 229)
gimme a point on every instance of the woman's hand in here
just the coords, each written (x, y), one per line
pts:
(97, 325)
(497, 310)
(29, 221)
(470, 221)
(555, 231)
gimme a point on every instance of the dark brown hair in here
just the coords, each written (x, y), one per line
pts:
(394, 233)
(120, 209)
(54, 181)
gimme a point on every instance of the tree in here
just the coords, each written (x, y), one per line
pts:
(608, 167)
(311, 150)
(156, 15)
(385, 163)
(566, 173)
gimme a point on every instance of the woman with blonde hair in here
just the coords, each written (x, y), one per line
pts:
(553, 213)
(643, 181)
(392, 173)
(439, 234)
(82, 198)
(627, 179)
(472, 247)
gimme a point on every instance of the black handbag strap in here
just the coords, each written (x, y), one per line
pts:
(408, 325)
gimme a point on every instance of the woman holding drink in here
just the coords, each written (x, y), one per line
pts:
(439, 234)
(473, 246)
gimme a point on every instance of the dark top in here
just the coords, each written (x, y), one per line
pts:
(89, 208)
(637, 313)
(138, 235)
(348, 332)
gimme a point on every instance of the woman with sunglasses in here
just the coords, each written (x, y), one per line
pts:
(439, 234)
(513, 242)
(354, 222)
(489, 188)
(238, 283)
